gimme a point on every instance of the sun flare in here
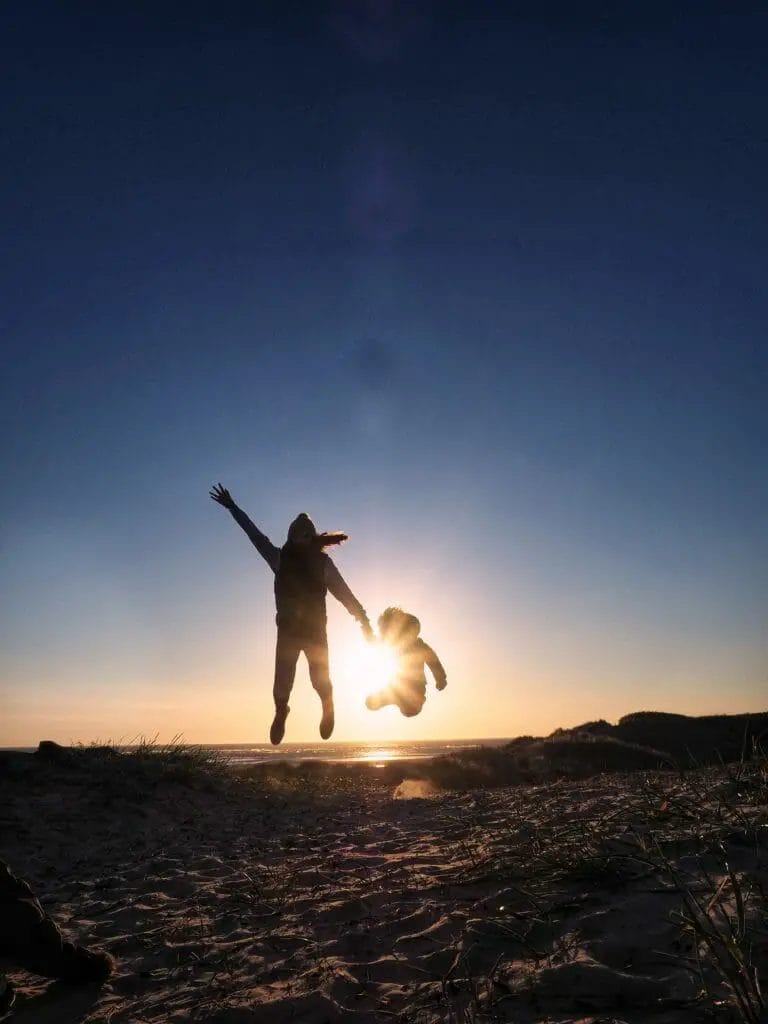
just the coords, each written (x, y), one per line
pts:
(365, 668)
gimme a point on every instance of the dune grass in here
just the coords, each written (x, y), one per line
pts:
(699, 837)
(134, 771)
(174, 759)
(723, 912)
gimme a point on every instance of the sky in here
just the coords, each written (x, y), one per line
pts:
(481, 287)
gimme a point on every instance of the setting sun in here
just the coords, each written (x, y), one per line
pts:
(363, 668)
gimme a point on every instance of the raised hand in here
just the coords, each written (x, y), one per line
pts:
(222, 496)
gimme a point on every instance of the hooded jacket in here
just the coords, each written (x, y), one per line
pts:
(303, 575)
(300, 588)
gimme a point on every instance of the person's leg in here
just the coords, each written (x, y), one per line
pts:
(287, 652)
(316, 651)
(411, 710)
(31, 939)
(381, 699)
(410, 700)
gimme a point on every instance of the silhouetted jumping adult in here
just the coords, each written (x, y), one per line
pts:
(408, 690)
(303, 575)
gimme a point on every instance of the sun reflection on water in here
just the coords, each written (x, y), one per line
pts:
(381, 754)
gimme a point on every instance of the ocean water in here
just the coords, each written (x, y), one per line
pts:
(259, 753)
(373, 753)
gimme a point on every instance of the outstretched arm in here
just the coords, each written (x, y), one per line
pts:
(260, 541)
(338, 587)
(435, 666)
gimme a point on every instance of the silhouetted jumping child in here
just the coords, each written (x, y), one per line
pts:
(409, 689)
(303, 574)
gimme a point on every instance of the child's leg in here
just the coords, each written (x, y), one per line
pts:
(410, 700)
(287, 652)
(411, 710)
(381, 699)
(320, 677)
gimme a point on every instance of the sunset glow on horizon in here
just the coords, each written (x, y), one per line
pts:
(504, 679)
(484, 290)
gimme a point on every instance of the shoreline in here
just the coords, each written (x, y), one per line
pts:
(266, 758)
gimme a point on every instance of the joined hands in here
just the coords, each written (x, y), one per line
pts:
(367, 629)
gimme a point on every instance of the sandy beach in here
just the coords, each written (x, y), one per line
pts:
(229, 900)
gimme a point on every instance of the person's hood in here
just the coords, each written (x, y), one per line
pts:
(302, 528)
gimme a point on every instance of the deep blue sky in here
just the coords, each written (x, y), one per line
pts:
(485, 289)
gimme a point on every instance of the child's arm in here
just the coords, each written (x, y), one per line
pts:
(435, 666)
(338, 587)
(262, 543)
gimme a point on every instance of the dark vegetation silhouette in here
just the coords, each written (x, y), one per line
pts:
(642, 741)
(664, 742)
(682, 737)
(683, 743)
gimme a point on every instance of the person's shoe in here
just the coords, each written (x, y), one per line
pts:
(328, 721)
(80, 965)
(277, 731)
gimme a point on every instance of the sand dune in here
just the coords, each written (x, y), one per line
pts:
(232, 902)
